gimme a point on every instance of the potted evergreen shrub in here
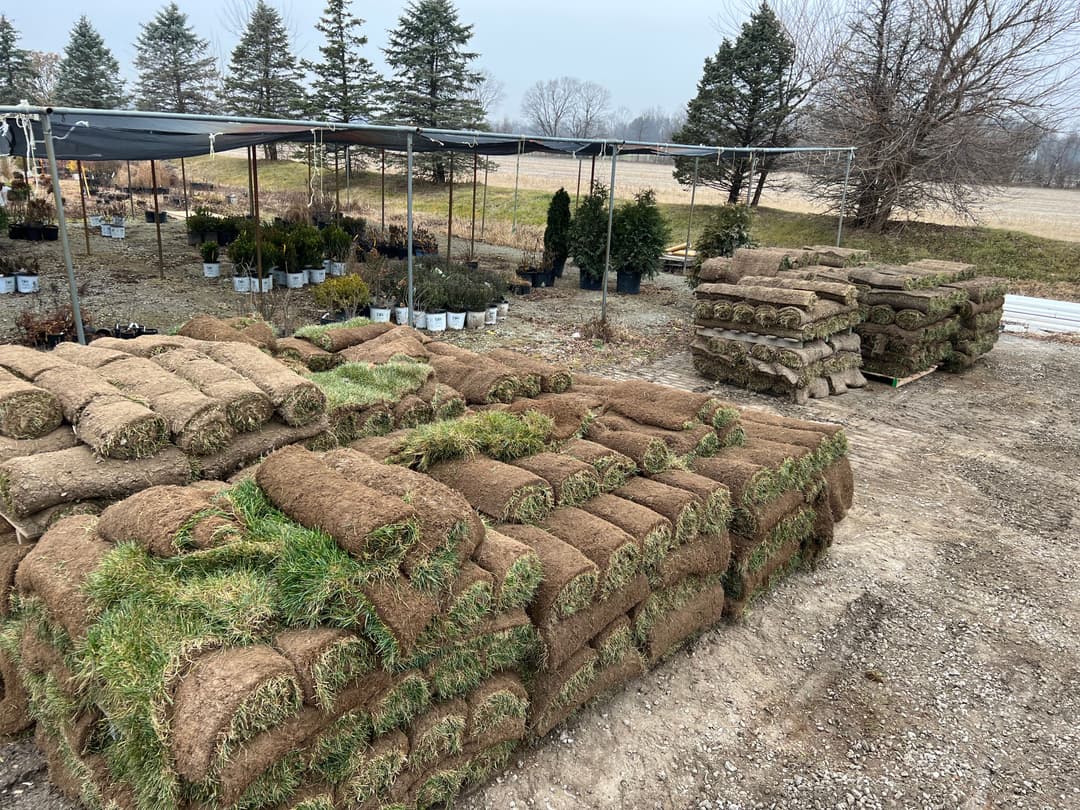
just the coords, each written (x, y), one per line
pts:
(201, 226)
(338, 246)
(39, 213)
(26, 275)
(346, 293)
(588, 237)
(434, 294)
(639, 233)
(242, 255)
(474, 297)
(211, 267)
(557, 233)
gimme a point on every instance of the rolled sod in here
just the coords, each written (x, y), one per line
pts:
(26, 412)
(310, 355)
(716, 498)
(571, 412)
(14, 702)
(554, 689)
(445, 402)
(12, 553)
(613, 467)
(500, 491)
(828, 440)
(760, 471)
(472, 595)
(225, 698)
(407, 696)
(60, 439)
(516, 567)
(449, 528)
(841, 487)
(830, 290)
(706, 555)
(247, 408)
(27, 363)
(32, 483)
(696, 439)
(613, 641)
(56, 568)
(438, 732)
(742, 588)
(553, 379)
(296, 400)
(167, 520)
(562, 639)
(501, 436)
(210, 329)
(670, 618)
(499, 703)
(363, 521)
(573, 481)
(326, 660)
(377, 767)
(653, 532)
(411, 410)
(337, 336)
(606, 679)
(570, 579)
(647, 452)
(616, 554)
(682, 508)
(479, 382)
(33, 526)
(377, 352)
(667, 407)
(752, 520)
(246, 448)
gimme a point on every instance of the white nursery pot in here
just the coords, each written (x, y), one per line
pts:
(211, 269)
(7, 285)
(26, 284)
(401, 315)
(106, 230)
(455, 321)
(118, 231)
(241, 284)
(316, 275)
(436, 322)
(380, 314)
(504, 310)
(475, 320)
(491, 317)
(419, 319)
(337, 268)
(267, 283)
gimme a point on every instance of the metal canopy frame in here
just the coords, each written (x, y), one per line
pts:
(128, 135)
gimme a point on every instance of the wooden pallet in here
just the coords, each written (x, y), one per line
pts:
(897, 382)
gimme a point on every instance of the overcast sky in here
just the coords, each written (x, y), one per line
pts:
(647, 55)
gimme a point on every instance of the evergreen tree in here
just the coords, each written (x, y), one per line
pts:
(746, 97)
(432, 83)
(175, 72)
(16, 69)
(345, 81)
(263, 79)
(89, 74)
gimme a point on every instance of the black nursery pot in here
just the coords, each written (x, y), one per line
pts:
(50, 233)
(586, 283)
(627, 283)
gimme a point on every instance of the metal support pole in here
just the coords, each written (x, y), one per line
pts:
(610, 223)
(472, 237)
(337, 182)
(131, 199)
(750, 178)
(255, 208)
(157, 221)
(82, 199)
(183, 179)
(690, 219)
(408, 217)
(577, 196)
(450, 213)
(61, 220)
(517, 177)
(592, 174)
(483, 210)
(383, 221)
(348, 178)
(843, 198)
(251, 192)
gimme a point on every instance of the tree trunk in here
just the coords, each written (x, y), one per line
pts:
(760, 185)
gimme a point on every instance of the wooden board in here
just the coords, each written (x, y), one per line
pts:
(897, 382)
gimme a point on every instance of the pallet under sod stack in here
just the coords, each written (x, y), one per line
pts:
(381, 622)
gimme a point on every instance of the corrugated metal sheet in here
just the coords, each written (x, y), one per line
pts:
(1024, 314)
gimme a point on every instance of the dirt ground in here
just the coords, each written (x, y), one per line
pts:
(930, 660)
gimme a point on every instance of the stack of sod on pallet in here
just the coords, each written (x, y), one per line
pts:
(154, 410)
(786, 336)
(980, 321)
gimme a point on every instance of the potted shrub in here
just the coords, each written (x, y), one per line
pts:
(211, 267)
(639, 233)
(39, 213)
(228, 229)
(588, 237)
(242, 255)
(26, 275)
(307, 251)
(425, 242)
(434, 294)
(7, 275)
(347, 293)
(201, 226)
(557, 233)
(117, 229)
(338, 246)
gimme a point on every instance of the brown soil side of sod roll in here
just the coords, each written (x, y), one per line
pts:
(304, 648)
(11, 554)
(440, 509)
(255, 328)
(248, 447)
(75, 387)
(749, 582)
(572, 480)
(553, 379)
(639, 521)
(147, 345)
(197, 422)
(669, 631)
(504, 682)
(89, 356)
(246, 406)
(60, 439)
(545, 687)
(379, 352)
(682, 508)
(26, 412)
(471, 576)
(309, 354)
(564, 567)
(335, 339)
(563, 638)
(614, 467)
(614, 552)
(27, 363)
(500, 491)
(479, 382)
(361, 520)
(656, 405)
(607, 679)
(710, 491)
(620, 625)
(423, 725)
(647, 452)
(14, 716)
(412, 410)
(211, 329)
(403, 609)
(56, 568)
(443, 399)
(296, 400)
(706, 554)
(760, 519)
(769, 436)
(117, 427)
(31, 527)
(824, 529)
(841, 483)
(155, 517)
(208, 696)
(36, 655)
(32, 483)
(570, 411)
(681, 442)
(498, 554)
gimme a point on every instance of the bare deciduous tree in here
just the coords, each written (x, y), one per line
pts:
(590, 113)
(548, 106)
(487, 93)
(46, 65)
(943, 99)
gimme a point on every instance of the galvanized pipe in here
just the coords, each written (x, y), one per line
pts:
(690, 219)
(610, 223)
(61, 220)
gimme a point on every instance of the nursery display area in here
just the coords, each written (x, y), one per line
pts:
(358, 567)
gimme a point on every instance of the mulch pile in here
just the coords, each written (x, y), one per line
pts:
(781, 335)
(335, 629)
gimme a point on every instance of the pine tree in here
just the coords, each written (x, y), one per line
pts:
(16, 69)
(746, 97)
(175, 73)
(432, 83)
(89, 74)
(263, 79)
(345, 81)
